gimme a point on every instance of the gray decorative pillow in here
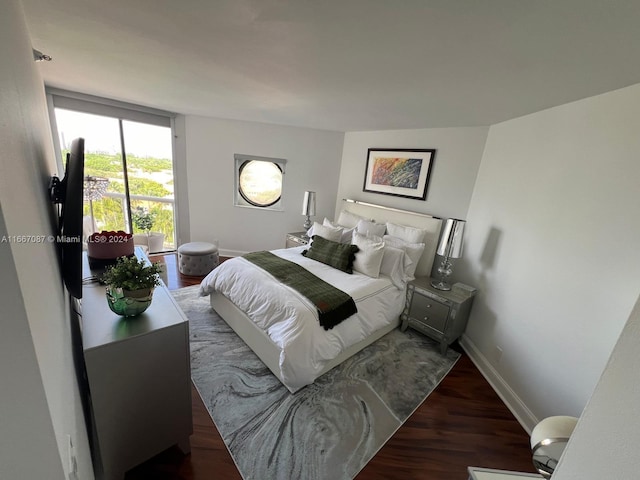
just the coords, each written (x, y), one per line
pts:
(335, 254)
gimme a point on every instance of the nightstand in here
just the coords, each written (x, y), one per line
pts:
(296, 239)
(441, 315)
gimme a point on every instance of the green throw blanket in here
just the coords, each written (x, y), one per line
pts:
(333, 304)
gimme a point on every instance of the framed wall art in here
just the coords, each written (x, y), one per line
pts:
(400, 172)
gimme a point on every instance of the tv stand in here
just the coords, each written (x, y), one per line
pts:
(139, 378)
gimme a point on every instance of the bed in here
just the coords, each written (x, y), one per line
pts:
(281, 326)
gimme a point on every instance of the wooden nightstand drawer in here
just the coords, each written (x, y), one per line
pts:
(426, 310)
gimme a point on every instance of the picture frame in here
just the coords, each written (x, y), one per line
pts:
(401, 172)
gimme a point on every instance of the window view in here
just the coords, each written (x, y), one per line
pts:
(259, 182)
(129, 169)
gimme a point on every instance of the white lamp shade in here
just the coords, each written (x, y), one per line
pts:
(450, 243)
(559, 427)
(309, 203)
(548, 441)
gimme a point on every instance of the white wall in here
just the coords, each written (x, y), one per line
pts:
(605, 442)
(39, 400)
(457, 159)
(313, 163)
(455, 166)
(554, 250)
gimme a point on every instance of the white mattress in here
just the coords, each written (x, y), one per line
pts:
(291, 321)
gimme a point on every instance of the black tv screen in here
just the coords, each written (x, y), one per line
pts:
(70, 238)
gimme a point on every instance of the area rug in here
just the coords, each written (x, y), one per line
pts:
(327, 430)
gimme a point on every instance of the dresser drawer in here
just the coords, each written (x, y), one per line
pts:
(429, 312)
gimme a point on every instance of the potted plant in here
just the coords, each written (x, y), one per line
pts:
(130, 283)
(144, 220)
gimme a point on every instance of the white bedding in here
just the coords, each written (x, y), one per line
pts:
(291, 321)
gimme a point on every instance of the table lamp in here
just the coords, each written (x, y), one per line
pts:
(308, 208)
(449, 246)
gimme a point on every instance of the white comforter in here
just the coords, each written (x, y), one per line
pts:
(291, 321)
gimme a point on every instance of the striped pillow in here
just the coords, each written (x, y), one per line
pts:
(335, 254)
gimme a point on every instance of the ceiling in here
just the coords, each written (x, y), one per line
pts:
(346, 65)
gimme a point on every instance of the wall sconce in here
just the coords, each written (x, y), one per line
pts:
(38, 56)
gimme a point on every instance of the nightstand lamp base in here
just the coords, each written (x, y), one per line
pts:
(440, 285)
(449, 246)
(444, 271)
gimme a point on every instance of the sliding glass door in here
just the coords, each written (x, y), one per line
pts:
(128, 175)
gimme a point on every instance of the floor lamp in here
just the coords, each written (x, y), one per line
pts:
(94, 188)
(449, 246)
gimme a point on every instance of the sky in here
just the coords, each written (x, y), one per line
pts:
(101, 134)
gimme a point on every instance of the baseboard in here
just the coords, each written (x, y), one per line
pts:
(230, 253)
(524, 416)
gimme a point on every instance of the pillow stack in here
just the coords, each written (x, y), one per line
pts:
(326, 230)
(367, 227)
(369, 255)
(347, 223)
(379, 249)
(409, 239)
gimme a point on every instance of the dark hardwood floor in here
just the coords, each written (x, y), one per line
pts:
(462, 423)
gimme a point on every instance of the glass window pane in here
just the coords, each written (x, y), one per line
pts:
(260, 182)
(148, 151)
(150, 172)
(162, 220)
(102, 159)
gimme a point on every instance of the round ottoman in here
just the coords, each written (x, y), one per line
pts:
(197, 258)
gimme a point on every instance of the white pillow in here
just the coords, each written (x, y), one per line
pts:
(406, 233)
(367, 227)
(369, 257)
(311, 231)
(330, 233)
(347, 233)
(327, 223)
(394, 265)
(348, 219)
(413, 251)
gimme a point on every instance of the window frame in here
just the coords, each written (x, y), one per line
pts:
(239, 199)
(122, 111)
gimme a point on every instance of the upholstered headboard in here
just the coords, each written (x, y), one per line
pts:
(381, 214)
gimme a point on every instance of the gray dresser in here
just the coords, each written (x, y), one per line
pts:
(138, 372)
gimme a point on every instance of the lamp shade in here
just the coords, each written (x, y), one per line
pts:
(450, 243)
(309, 203)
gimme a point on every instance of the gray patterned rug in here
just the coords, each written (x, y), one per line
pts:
(328, 430)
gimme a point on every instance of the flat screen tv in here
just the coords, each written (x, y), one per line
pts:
(69, 193)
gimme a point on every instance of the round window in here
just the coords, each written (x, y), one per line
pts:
(260, 182)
